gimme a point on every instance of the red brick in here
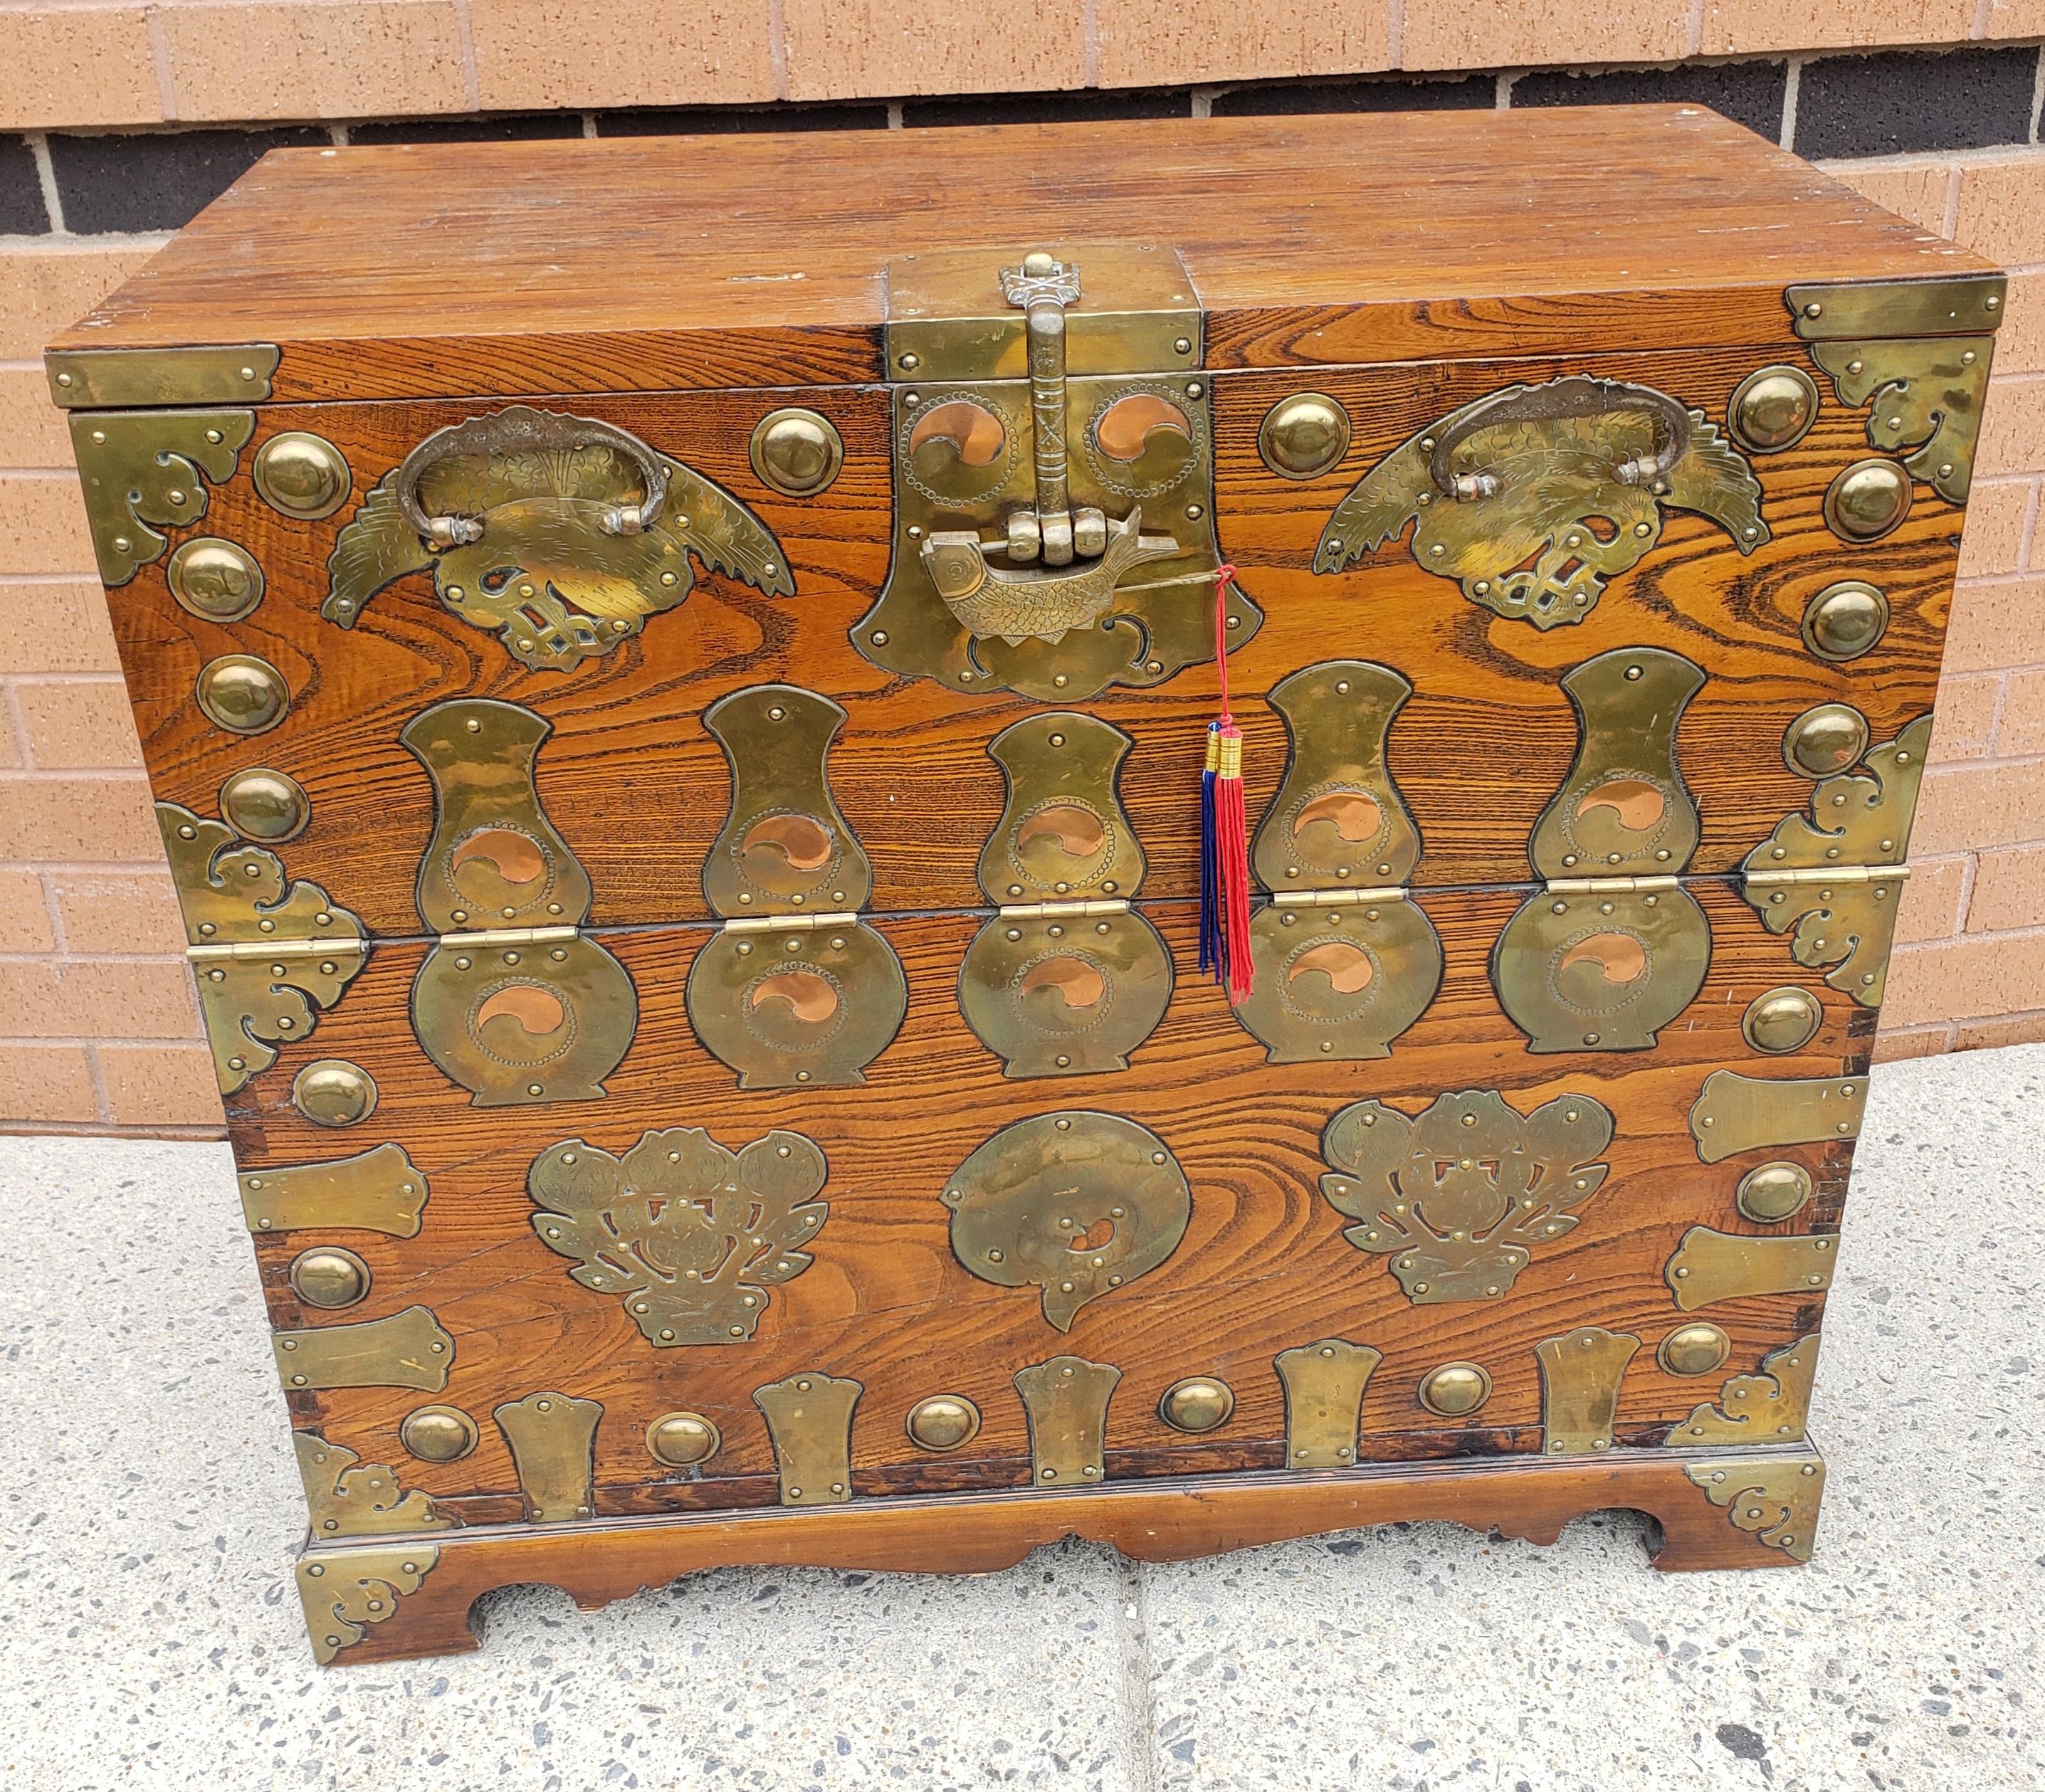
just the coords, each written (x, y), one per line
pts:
(47, 285)
(159, 1085)
(55, 625)
(50, 1084)
(24, 915)
(78, 724)
(33, 431)
(1996, 625)
(75, 998)
(1997, 511)
(1917, 191)
(1739, 27)
(2011, 1030)
(42, 525)
(1966, 807)
(2020, 344)
(1932, 900)
(2022, 726)
(113, 911)
(329, 59)
(79, 65)
(2009, 890)
(1965, 728)
(59, 819)
(1156, 43)
(2012, 435)
(837, 52)
(2002, 207)
(1977, 976)
(1535, 33)
(1893, 1046)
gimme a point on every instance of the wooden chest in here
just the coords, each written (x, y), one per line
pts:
(676, 675)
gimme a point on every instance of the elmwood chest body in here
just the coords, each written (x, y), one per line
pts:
(676, 677)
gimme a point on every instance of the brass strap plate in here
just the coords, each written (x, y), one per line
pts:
(1581, 1372)
(1734, 1113)
(1961, 306)
(237, 374)
(1066, 1402)
(553, 1440)
(343, 1591)
(1324, 1383)
(408, 1349)
(376, 1190)
(809, 1418)
(1711, 1265)
(1772, 1407)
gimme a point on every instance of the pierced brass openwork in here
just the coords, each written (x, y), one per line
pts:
(348, 1498)
(514, 1003)
(1534, 497)
(376, 1190)
(796, 989)
(1772, 1407)
(1613, 949)
(1066, 980)
(1054, 475)
(1459, 1197)
(267, 953)
(1710, 1266)
(144, 471)
(1066, 1400)
(344, 1591)
(809, 1418)
(1581, 1373)
(689, 1235)
(561, 533)
(553, 1440)
(1324, 1384)
(1776, 1497)
(1075, 1204)
(1836, 876)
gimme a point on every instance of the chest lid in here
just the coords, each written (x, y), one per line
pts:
(640, 264)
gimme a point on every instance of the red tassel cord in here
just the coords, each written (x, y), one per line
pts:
(1224, 831)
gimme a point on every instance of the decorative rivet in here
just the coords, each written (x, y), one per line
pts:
(1774, 1192)
(798, 452)
(1694, 1350)
(242, 693)
(1304, 436)
(301, 475)
(1867, 500)
(1782, 1019)
(1455, 1390)
(262, 805)
(1773, 409)
(214, 579)
(944, 1422)
(682, 1440)
(327, 1276)
(437, 1433)
(334, 1092)
(1199, 1403)
(1825, 740)
(1845, 619)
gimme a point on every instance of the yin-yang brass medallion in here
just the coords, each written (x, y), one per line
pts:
(562, 534)
(1603, 972)
(1459, 1197)
(689, 1235)
(1340, 978)
(1075, 1204)
(514, 1003)
(1063, 835)
(1534, 497)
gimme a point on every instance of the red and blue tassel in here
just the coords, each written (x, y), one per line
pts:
(1224, 831)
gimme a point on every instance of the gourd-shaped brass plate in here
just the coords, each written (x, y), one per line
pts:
(543, 1020)
(1063, 995)
(1338, 980)
(1582, 969)
(797, 990)
(1074, 1203)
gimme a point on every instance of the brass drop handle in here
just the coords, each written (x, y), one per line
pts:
(1580, 396)
(522, 431)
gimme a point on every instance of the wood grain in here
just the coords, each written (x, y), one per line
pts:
(640, 789)
(628, 264)
(1262, 1266)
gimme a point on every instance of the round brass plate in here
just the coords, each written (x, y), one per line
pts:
(1773, 1192)
(1845, 619)
(1783, 1020)
(241, 694)
(942, 1422)
(1868, 500)
(1304, 436)
(262, 805)
(1773, 409)
(1199, 1403)
(1825, 740)
(333, 1092)
(327, 1276)
(437, 1433)
(797, 452)
(214, 579)
(682, 1440)
(1694, 1350)
(1455, 1389)
(302, 474)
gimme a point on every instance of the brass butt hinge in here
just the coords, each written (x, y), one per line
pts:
(1054, 911)
(1829, 874)
(254, 950)
(1608, 885)
(485, 938)
(788, 924)
(1339, 898)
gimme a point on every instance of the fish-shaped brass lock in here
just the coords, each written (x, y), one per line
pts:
(1613, 947)
(795, 989)
(1345, 960)
(514, 1003)
(1066, 979)
(1054, 475)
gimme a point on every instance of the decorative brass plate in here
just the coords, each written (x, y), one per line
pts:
(1581, 1372)
(1971, 303)
(343, 1591)
(809, 1418)
(150, 467)
(1772, 1407)
(1826, 876)
(1063, 835)
(797, 452)
(218, 580)
(786, 1008)
(1459, 1197)
(1711, 1265)
(408, 1349)
(1601, 972)
(1570, 476)
(1068, 995)
(1338, 818)
(1066, 1400)
(1339, 982)
(301, 475)
(1924, 400)
(348, 1498)
(1075, 1203)
(553, 1440)
(785, 846)
(376, 1190)
(213, 375)
(1324, 1384)
(267, 952)
(562, 533)
(1733, 1113)
(333, 1092)
(691, 1235)
(265, 806)
(1777, 1496)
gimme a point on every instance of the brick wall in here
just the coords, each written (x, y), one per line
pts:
(118, 121)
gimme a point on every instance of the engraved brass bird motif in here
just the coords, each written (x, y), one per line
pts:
(561, 533)
(1016, 603)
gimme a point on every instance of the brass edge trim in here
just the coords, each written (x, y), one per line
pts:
(1952, 304)
(107, 378)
